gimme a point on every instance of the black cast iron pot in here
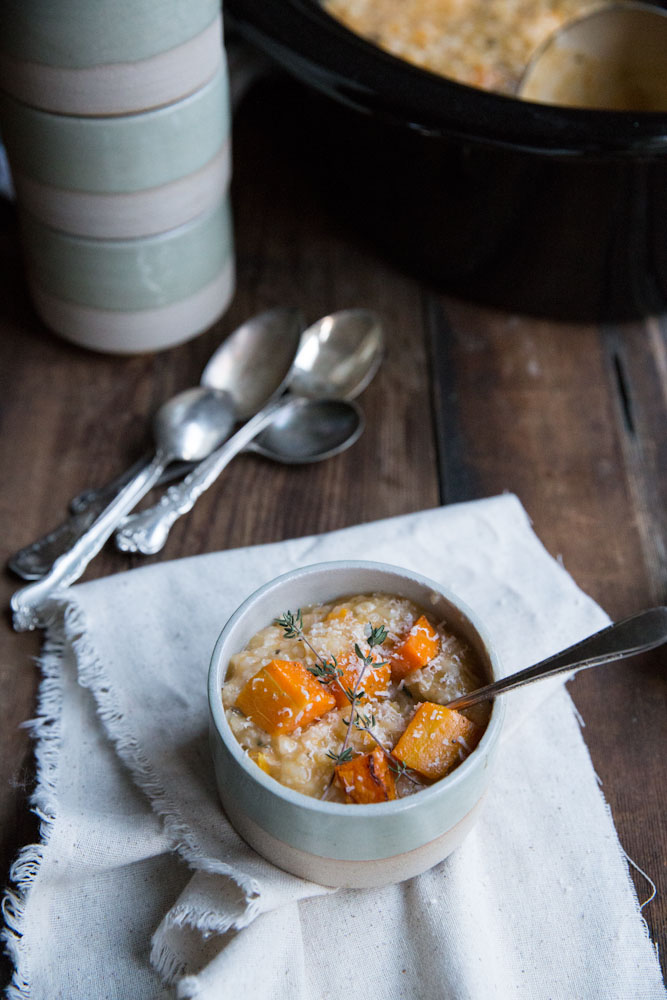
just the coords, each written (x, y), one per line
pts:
(543, 210)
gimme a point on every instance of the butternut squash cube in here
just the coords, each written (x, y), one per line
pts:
(367, 778)
(420, 646)
(284, 696)
(374, 682)
(435, 740)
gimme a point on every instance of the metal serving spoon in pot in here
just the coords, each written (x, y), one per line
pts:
(252, 364)
(636, 634)
(613, 58)
(337, 358)
(187, 427)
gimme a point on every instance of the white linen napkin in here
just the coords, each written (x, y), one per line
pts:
(537, 903)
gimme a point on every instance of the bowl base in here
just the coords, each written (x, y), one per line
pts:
(344, 874)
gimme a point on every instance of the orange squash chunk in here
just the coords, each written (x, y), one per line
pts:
(367, 778)
(284, 696)
(420, 646)
(375, 680)
(338, 614)
(431, 743)
(261, 760)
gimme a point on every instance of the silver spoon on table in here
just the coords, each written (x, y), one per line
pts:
(251, 364)
(187, 427)
(636, 634)
(337, 358)
(309, 430)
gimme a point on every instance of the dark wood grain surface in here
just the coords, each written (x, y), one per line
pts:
(469, 403)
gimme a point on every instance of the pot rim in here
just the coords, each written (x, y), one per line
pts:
(316, 48)
(300, 800)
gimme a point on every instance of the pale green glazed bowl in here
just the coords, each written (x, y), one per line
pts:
(107, 57)
(354, 846)
(129, 275)
(83, 33)
(118, 154)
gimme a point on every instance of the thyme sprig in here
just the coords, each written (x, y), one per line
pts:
(327, 671)
(366, 724)
(376, 635)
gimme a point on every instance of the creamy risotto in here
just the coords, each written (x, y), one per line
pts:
(484, 43)
(344, 700)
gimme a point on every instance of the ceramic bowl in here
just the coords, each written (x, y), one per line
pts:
(120, 216)
(335, 844)
(120, 154)
(131, 296)
(109, 57)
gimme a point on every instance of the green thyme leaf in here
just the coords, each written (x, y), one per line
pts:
(343, 756)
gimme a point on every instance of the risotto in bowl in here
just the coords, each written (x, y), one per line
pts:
(335, 755)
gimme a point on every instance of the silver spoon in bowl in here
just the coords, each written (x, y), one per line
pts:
(636, 634)
(337, 358)
(611, 58)
(187, 427)
(252, 364)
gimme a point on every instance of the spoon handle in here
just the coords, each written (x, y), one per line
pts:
(28, 603)
(35, 560)
(100, 496)
(148, 530)
(636, 634)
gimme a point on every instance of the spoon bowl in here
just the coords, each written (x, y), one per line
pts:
(253, 363)
(309, 430)
(338, 355)
(190, 425)
(613, 58)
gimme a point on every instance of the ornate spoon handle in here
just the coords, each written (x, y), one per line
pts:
(27, 603)
(148, 530)
(100, 496)
(35, 560)
(635, 634)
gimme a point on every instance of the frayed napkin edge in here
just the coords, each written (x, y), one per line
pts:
(67, 627)
(91, 675)
(45, 731)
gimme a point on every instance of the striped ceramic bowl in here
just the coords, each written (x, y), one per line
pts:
(107, 57)
(119, 177)
(130, 296)
(327, 842)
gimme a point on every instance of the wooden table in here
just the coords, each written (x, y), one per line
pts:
(469, 403)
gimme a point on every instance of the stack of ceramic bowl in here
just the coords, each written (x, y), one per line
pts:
(115, 117)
